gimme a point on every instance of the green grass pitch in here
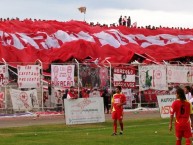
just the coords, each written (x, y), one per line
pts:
(136, 132)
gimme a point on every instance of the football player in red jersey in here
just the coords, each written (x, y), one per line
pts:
(117, 102)
(182, 109)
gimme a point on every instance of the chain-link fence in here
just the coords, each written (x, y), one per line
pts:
(88, 79)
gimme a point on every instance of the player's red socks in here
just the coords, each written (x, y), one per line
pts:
(178, 142)
(121, 125)
(115, 127)
(188, 141)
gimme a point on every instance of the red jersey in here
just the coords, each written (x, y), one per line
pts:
(71, 95)
(182, 111)
(117, 99)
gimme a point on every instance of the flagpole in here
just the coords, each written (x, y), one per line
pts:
(82, 10)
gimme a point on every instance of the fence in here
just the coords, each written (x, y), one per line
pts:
(86, 77)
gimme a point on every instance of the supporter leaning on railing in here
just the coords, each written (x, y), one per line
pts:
(72, 94)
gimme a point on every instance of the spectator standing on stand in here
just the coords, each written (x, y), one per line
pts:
(120, 21)
(124, 21)
(129, 22)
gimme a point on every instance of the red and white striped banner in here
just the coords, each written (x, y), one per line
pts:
(52, 40)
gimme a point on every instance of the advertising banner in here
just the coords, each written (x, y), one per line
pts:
(82, 111)
(165, 103)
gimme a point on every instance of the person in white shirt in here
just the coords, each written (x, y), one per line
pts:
(191, 101)
(187, 90)
(72, 94)
(94, 93)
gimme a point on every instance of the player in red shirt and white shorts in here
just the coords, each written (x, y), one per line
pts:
(117, 103)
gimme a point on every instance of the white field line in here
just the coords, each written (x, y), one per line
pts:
(85, 130)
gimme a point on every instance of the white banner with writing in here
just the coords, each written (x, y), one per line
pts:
(2, 100)
(82, 111)
(57, 95)
(24, 100)
(3, 75)
(152, 77)
(180, 74)
(28, 76)
(124, 77)
(165, 103)
(46, 97)
(62, 75)
(129, 97)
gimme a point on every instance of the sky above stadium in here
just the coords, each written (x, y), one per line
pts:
(176, 13)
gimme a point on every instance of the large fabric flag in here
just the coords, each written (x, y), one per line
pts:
(52, 40)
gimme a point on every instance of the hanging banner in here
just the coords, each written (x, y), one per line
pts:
(28, 76)
(24, 100)
(152, 76)
(82, 111)
(62, 75)
(124, 77)
(93, 76)
(180, 74)
(57, 95)
(129, 97)
(46, 97)
(3, 75)
(104, 77)
(151, 95)
(2, 100)
(165, 103)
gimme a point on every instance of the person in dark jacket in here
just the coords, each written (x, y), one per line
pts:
(106, 96)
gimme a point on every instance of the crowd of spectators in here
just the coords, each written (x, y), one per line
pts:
(72, 93)
(126, 21)
(122, 21)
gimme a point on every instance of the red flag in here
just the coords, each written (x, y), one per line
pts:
(51, 40)
(82, 9)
